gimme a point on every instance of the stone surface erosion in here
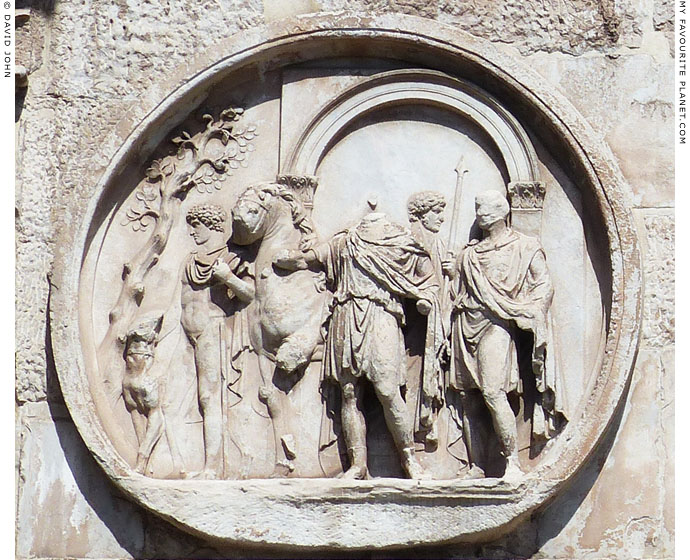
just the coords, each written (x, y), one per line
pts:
(110, 93)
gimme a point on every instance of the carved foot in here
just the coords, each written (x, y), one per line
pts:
(355, 472)
(140, 467)
(201, 475)
(474, 473)
(358, 464)
(513, 471)
(431, 439)
(412, 467)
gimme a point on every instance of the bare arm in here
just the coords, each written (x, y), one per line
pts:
(243, 290)
(538, 278)
(296, 260)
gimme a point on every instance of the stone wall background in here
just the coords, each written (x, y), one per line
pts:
(90, 61)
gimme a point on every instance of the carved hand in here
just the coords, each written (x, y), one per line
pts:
(424, 306)
(449, 265)
(307, 242)
(221, 270)
(290, 260)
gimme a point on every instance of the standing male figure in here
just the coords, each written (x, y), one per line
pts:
(425, 211)
(370, 268)
(504, 287)
(209, 282)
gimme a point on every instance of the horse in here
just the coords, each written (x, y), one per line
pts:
(285, 319)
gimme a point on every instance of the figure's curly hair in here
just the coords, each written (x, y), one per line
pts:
(211, 215)
(422, 202)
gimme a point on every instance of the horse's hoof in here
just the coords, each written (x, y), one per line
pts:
(288, 443)
(265, 394)
(282, 469)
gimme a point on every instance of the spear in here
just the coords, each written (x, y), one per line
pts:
(460, 169)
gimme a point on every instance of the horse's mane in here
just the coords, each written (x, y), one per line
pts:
(301, 218)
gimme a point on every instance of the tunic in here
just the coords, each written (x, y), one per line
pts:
(370, 268)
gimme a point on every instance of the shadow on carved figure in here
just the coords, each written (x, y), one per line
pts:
(210, 282)
(288, 312)
(426, 211)
(504, 292)
(142, 390)
(370, 268)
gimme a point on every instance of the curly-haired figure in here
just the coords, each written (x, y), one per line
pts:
(421, 203)
(425, 212)
(209, 282)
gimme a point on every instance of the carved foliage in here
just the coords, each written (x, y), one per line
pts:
(200, 161)
(526, 195)
(197, 162)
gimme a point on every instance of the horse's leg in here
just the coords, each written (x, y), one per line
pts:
(276, 401)
(298, 348)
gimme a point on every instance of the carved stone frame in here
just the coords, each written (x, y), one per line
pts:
(332, 514)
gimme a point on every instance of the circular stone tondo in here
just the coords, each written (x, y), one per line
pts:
(341, 301)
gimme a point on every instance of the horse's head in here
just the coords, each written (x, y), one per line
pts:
(270, 207)
(249, 215)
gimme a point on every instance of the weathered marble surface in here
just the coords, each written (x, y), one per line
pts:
(87, 71)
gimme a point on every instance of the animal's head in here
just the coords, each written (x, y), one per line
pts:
(249, 215)
(259, 206)
(140, 343)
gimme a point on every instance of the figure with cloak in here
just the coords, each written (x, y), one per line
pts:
(425, 211)
(214, 280)
(504, 295)
(371, 267)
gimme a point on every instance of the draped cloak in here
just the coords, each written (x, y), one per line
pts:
(370, 268)
(199, 274)
(500, 285)
(431, 390)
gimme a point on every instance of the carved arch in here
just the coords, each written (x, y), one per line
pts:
(416, 86)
